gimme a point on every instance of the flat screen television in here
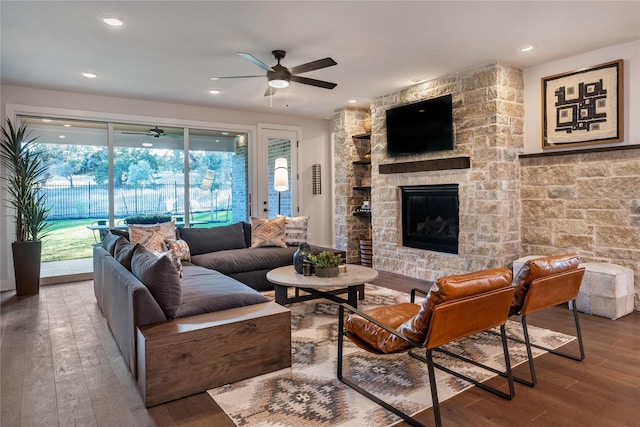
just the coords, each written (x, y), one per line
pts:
(420, 127)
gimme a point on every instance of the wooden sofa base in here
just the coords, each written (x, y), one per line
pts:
(191, 355)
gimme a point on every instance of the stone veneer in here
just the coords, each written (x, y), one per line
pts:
(349, 229)
(586, 202)
(488, 113)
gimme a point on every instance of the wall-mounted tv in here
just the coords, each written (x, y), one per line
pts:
(420, 127)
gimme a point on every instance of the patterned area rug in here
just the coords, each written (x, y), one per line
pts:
(309, 393)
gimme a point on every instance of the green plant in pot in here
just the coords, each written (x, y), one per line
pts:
(325, 263)
(26, 172)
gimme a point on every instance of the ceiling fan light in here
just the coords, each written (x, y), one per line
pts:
(278, 83)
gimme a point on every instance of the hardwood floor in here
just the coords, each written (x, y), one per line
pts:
(61, 367)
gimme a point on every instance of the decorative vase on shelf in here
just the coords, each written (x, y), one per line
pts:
(299, 256)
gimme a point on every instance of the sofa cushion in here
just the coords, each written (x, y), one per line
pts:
(160, 276)
(118, 232)
(248, 259)
(268, 232)
(295, 230)
(124, 252)
(205, 291)
(109, 242)
(204, 240)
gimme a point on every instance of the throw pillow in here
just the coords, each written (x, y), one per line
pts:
(175, 260)
(152, 236)
(124, 252)
(295, 230)
(160, 276)
(180, 248)
(268, 232)
(109, 242)
(122, 233)
(205, 240)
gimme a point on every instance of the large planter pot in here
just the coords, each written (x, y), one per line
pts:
(327, 272)
(26, 265)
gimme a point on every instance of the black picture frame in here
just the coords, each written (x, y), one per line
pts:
(583, 107)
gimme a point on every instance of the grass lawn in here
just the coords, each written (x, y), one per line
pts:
(71, 239)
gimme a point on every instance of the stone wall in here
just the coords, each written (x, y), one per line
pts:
(511, 205)
(488, 116)
(348, 122)
(586, 202)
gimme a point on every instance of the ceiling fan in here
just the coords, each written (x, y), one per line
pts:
(280, 76)
(155, 132)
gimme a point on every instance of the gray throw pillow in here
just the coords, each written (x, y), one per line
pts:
(124, 252)
(160, 276)
(109, 242)
(205, 240)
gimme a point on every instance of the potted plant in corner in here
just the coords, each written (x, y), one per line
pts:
(25, 174)
(325, 263)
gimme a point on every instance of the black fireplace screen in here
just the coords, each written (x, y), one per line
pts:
(430, 217)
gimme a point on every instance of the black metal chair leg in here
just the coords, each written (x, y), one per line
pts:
(359, 389)
(507, 373)
(434, 388)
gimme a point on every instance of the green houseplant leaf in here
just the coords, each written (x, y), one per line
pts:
(324, 259)
(26, 173)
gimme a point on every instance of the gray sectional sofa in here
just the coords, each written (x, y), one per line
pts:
(169, 328)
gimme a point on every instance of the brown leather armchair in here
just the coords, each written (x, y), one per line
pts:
(455, 307)
(542, 283)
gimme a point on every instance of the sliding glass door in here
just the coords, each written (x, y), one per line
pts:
(101, 173)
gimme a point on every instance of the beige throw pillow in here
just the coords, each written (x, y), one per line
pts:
(152, 236)
(268, 232)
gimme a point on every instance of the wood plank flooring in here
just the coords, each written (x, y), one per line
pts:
(61, 367)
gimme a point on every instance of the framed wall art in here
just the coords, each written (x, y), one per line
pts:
(583, 106)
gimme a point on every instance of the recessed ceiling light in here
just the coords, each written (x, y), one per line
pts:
(67, 125)
(147, 144)
(215, 78)
(61, 136)
(47, 120)
(215, 91)
(527, 48)
(114, 21)
(90, 75)
(352, 101)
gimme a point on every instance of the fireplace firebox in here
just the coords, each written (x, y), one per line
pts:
(430, 217)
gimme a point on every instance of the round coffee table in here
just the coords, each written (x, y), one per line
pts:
(321, 287)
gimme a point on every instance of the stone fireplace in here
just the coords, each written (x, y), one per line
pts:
(510, 203)
(430, 217)
(488, 114)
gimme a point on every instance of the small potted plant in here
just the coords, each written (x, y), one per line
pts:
(325, 263)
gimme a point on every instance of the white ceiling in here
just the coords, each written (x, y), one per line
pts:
(168, 50)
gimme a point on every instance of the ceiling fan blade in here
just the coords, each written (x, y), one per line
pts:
(270, 91)
(255, 60)
(313, 65)
(313, 82)
(234, 77)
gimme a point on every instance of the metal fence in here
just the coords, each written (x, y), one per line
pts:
(92, 200)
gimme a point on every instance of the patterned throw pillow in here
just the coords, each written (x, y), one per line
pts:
(268, 232)
(180, 248)
(295, 230)
(152, 236)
